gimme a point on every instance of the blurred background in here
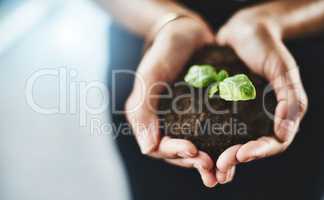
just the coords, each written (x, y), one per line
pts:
(59, 154)
(51, 156)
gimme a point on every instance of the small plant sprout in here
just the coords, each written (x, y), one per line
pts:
(200, 76)
(235, 88)
(213, 89)
(221, 75)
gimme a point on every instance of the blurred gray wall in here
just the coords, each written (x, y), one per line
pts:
(60, 155)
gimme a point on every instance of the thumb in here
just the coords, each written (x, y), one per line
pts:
(290, 93)
(145, 126)
(141, 107)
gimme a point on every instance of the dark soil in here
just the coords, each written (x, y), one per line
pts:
(192, 118)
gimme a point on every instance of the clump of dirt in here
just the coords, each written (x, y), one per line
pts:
(213, 124)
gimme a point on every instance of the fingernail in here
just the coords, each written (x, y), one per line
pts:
(250, 159)
(185, 154)
(182, 155)
(190, 154)
(230, 175)
(221, 177)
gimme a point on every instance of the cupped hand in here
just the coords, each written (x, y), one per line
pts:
(161, 64)
(257, 39)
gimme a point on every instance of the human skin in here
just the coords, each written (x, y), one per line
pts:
(256, 34)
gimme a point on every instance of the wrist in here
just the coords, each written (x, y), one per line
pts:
(177, 25)
(289, 18)
(260, 18)
(162, 22)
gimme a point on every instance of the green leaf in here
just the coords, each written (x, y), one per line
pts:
(222, 75)
(237, 88)
(200, 76)
(213, 89)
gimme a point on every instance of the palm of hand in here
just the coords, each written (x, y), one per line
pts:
(259, 45)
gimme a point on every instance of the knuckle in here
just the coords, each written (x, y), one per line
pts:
(272, 66)
(300, 106)
(303, 104)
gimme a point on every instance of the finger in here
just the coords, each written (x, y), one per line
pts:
(174, 148)
(157, 68)
(260, 148)
(202, 160)
(208, 177)
(145, 127)
(280, 69)
(227, 160)
(291, 96)
(285, 128)
(220, 37)
(226, 164)
(203, 163)
(231, 174)
(142, 104)
(226, 177)
(292, 105)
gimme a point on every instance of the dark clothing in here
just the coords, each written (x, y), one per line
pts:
(217, 13)
(292, 175)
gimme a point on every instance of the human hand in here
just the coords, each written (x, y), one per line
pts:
(161, 64)
(257, 39)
